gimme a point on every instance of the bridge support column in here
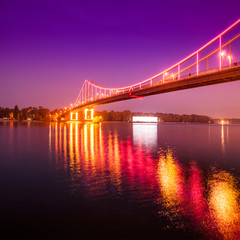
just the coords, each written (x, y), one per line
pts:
(73, 116)
(81, 115)
(89, 114)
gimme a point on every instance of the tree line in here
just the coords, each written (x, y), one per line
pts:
(163, 117)
(44, 114)
(29, 113)
(114, 116)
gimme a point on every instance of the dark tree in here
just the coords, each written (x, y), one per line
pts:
(16, 112)
(126, 115)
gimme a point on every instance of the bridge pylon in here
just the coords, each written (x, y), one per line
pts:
(74, 116)
(82, 115)
(88, 114)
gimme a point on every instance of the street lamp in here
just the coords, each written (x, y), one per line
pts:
(221, 55)
(165, 74)
(230, 60)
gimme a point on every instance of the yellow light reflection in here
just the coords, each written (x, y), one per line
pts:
(65, 142)
(223, 204)
(114, 159)
(60, 138)
(50, 139)
(92, 142)
(89, 147)
(77, 143)
(71, 154)
(222, 139)
(56, 140)
(85, 143)
(73, 146)
(101, 147)
(170, 180)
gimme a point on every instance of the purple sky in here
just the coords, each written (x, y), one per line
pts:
(48, 49)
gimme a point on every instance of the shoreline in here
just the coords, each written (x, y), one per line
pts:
(103, 122)
(114, 122)
(11, 120)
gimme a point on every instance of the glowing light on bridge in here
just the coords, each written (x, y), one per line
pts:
(230, 60)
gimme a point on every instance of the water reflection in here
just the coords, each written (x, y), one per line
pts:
(50, 140)
(198, 206)
(223, 204)
(224, 137)
(170, 178)
(223, 140)
(103, 163)
(103, 156)
(146, 134)
(182, 194)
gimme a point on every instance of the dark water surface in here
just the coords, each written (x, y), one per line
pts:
(119, 181)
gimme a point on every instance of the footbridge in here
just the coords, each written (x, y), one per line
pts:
(218, 61)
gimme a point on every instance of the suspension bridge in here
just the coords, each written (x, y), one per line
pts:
(216, 62)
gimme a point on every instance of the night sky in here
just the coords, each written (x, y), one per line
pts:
(48, 49)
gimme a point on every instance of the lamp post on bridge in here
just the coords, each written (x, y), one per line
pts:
(221, 55)
(230, 60)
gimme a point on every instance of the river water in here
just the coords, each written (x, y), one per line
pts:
(119, 181)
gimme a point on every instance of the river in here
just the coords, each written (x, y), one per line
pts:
(119, 181)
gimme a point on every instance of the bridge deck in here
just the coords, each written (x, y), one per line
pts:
(220, 76)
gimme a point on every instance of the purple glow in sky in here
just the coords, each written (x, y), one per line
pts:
(48, 49)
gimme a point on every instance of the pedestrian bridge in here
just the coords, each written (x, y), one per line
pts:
(218, 61)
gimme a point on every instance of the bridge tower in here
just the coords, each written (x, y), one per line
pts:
(82, 115)
(74, 116)
(89, 114)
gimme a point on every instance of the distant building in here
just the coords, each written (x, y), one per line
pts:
(145, 119)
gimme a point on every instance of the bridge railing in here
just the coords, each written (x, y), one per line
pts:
(220, 53)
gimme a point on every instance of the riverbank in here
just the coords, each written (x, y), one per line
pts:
(11, 120)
